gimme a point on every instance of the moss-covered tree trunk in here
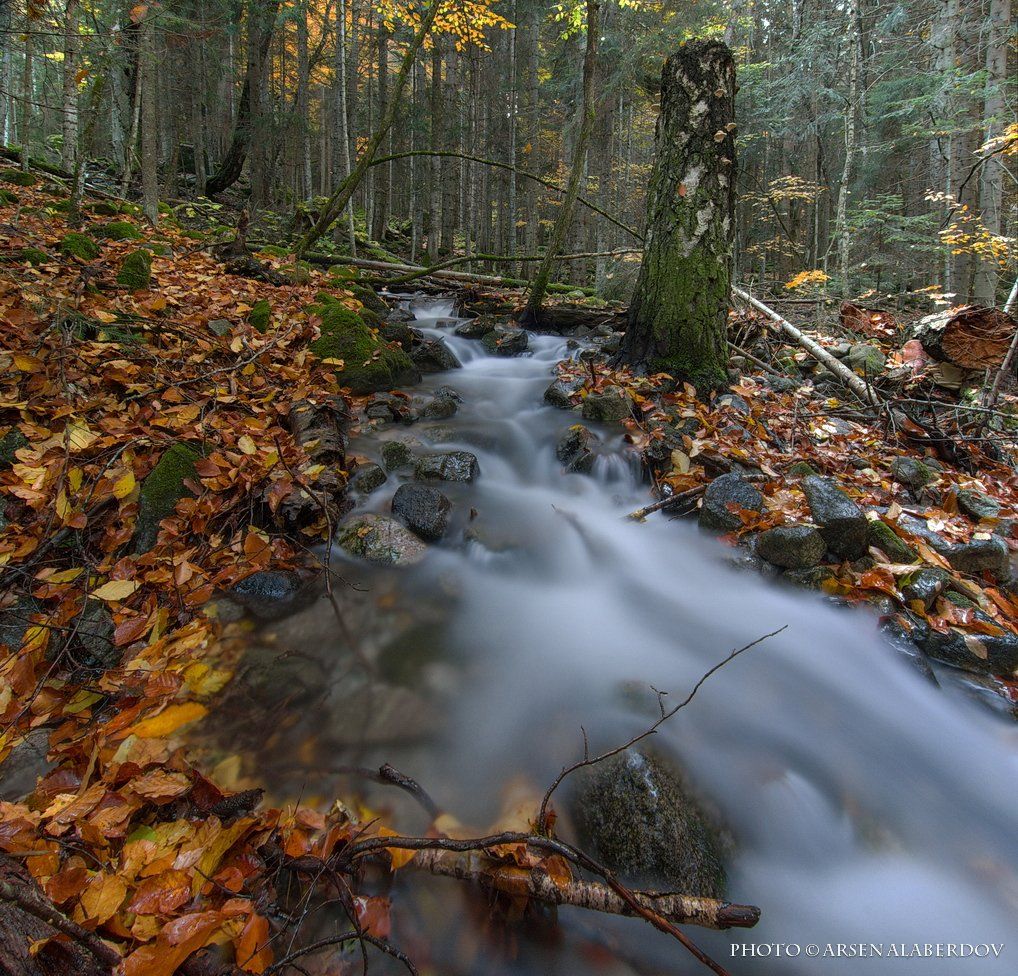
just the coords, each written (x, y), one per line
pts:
(679, 315)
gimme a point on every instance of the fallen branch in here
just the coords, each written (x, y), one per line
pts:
(683, 496)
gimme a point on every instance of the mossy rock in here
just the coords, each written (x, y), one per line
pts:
(802, 469)
(120, 230)
(18, 177)
(104, 208)
(61, 206)
(161, 491)
(884, 538)
(260, 316)
(165, 209)
(274, 251)
(342, 271)
(368, 298)
(33, 256)
(79, 246)
(370, 318)
(9, 197)
(158, 249)
(369, 365)
(298, 274)
(136, 271)
(12, 441)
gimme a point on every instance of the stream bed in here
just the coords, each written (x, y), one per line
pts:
(867, 804)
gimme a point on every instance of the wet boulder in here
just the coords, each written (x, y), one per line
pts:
(559, 392)
(607, 407)
(865, 359)
(451, 466)
(386, 407)
(980, 653)
(164, 486)
(728, 490)
(399, 333)
(269, 594)
(842, 523)
(912, 473)
(397, 454)
(575, 449)
(433, 356)
(440, 408)
(791, 546)
(924, 586)
(423, 509)
(506, 342)
(369, 477)
(637, 816)
(977, 505)
(381, 540)
(880, 535)
(475, 328)
(980, 556)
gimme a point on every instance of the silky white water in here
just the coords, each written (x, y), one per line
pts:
(869, 805)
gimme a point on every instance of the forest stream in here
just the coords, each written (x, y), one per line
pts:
(867, 805)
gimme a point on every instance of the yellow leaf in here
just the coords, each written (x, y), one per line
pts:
(63, 506)
(400, 856)
(65, 575)
(79, 435)
(101, 899)
(247, 445)
(115, 590)
(168, 720)
(124, 485)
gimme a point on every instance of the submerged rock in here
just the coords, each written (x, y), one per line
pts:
(424, 510)
(369, 477)
(452, 466)
(382, 540)
(791, 546)
(721, 492)
(575, 449)
(433, 356)
(268, 594)
(610, 406)
(506, 342)
(842, 523)
(558, 393)
(638, 818)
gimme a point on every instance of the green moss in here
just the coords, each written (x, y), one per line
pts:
(368, 298)
(165, 209)
(159, 249)
(274, 251)
(260, 315)
(299, 273)
(369, 365)
(120, 230)
(343, 272)
(18, 177)
(79, 246)
(136, 271)
(104, 208)
(161, 491)
(61, 206)
(882, 536)
(9, 197)
(370, 318)
(802, 469)
(33, 256)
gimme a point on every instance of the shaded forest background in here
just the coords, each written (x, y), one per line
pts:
(873, 145)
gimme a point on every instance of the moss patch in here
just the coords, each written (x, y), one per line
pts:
(136, 271)
(369, 365)
(161, 491)
(9, 197)
(121, 230)
(18, 177)
(260, 315)
(79, 246)
(33, 256)
(368, 298)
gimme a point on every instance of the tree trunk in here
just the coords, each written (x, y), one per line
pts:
(69, 126)
(991, 187)
(149, 120)
(435, 183)
(679, 315)
(344, 117)
(531, 314)
(383, 181)
(841, 235)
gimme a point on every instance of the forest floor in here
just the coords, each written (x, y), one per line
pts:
(151, 458)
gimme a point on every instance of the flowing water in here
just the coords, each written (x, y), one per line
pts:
(869, 805)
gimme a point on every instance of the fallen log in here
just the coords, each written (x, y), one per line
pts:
(974, 337)
(591, 895)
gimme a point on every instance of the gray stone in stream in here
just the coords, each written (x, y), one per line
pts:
(842, 523)
(575, 451)
(382, 540)
(440, 408)
(912, 472)
(386, 407)
(635, 814)
(396, 455)
(424, 510)
(981, 653)
(269, 594)
(865, 359)
(612, 344)
(882, 536)
(813, 578)
(729, 489)
(924, 586)
(369, 477)
(557, 394)
(979, 556)
(608, 407)
(977, 505)
(476, 328)
(791, 546)
(433, 356)
(452, 466)
(447, 392)
(399, 333)
(506, 342)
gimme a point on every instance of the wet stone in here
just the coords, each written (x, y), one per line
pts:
(608, 407)
(791, 546)
(979, 556)
(476, 328)
(382, 540)
(925, 586)
(881, 536)
(506, 342)
(575, 449)
(451, 466)
(424, 510)
(912, 473)
(369, 477)
(440, 408)
(396, 455)
(557, 394)
(842, 523)
(269, 594)
(729, 489)
(977, 505)
(433, 356)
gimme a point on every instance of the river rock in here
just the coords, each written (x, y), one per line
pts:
(912, 473)
(791, 546)
(558, 393)
(506, 342)
(397, 454)
(440, 408)
(635, 815)
(433, 356)
(607, 407)
(980, 653)
(268, 594)
(977, 505)
(451, 466)
(979, 556)
(881, 536)
(865, 359)
(398, 332)
(729, 489)
(382, 540)
(842, 523)
(475, 328)
(369, 477)
(386, 407)
(424, 510)
(575, 449)
(924, 586)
